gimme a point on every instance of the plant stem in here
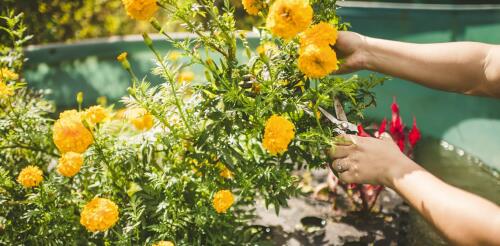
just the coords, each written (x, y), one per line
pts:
(171, 81)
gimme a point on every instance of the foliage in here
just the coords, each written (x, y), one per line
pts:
(185, 161)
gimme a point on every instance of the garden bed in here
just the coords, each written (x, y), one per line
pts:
(308, 221)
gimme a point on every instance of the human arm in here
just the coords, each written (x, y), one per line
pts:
(463, 67)
(461, 217)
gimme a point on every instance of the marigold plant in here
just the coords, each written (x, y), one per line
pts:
(183, 162)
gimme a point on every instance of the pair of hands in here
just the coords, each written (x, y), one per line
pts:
(368, 160)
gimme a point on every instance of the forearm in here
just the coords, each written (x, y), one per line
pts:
(459, 67)
(461, 217)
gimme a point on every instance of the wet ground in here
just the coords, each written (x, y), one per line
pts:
(307, 221)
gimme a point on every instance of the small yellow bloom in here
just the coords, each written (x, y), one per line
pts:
(252, 6)
(174, 56)
(6, 90)
(140, 9)
(224, 171)
(164, 243)
(278, 133)
(317, 61)
(8, 74)
(140, 118)
(99, 214)
(287, 18)
(70, 164)
(223, 200)
(69, 134)
(185, 76)
(30, 176)
(265, 47)
(96, 114)
(321, 34)
(121, 57)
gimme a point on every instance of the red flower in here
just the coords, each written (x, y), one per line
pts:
(362, 132)
(414, 135)
(397, 126)
(381, 128)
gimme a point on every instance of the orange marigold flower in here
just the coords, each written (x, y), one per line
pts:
(317, 61)
(140, 118)
(30, 176)
(278, 133)
(70, 164)
(252, 6)
(321, 34)
(122, 56)
(287, 18)
(223, 200)
(69, 133)
(140, 9)
(8, 74)
(96, 114)
(164, 243)
(99, 214)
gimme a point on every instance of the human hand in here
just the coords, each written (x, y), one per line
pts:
(370, 161)
(351, 46)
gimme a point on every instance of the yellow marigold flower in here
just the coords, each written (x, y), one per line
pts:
(289, 17)
(251, 6)
(99, 214)
(8, 74)
(223, 200)
(69, 134)
(224, 171)
(96, 114)
(317, 61)
(6, 90)
(70, 164)
(164, 243)
(278, 133)
(140, 118)
(121, 57)
(185, 76)
(140, 9)
(30, 176)
(321, 34)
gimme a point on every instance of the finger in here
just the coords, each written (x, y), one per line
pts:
(347, 177)
(337, 151)
(341, 165)
(346, 140)
(385, 136)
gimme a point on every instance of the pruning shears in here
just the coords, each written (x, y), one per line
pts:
(343, 126)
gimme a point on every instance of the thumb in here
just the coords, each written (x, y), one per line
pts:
(386, 137)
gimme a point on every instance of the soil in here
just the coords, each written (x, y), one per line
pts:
(309, 221)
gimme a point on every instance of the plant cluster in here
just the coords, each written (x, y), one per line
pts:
(185, 162)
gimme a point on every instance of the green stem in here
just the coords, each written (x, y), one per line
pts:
(171, 81)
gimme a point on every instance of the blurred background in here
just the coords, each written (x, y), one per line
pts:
(66, 21)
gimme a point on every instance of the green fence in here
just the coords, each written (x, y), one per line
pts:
(472, 123)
